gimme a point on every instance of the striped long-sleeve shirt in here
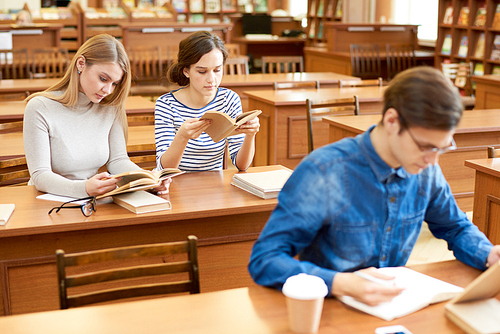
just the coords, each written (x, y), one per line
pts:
(202, 153)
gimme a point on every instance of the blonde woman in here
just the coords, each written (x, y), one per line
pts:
(79, 125)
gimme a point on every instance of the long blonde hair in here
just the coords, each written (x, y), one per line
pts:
(99, 49)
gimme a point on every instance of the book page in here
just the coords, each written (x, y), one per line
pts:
(420, 291)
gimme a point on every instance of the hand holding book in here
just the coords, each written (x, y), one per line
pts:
(223, 125)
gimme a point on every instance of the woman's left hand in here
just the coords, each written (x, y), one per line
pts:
(250, 127)
(164, 187)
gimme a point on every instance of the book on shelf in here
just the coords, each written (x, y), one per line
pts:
(480, 20)
(496, 70)
(262, 184)
(446, 48)
(223, 125)
(320, 30)
(464, 47)
(140, 180)
(5, 212)
(180, 5)
(495, 48)
(196, 18)
(420, 291)
(479, 52)
(476, 310)
(448, 15)
(228, 6)
(329, 9)
(478, 69)
(338, 9)
(496, 18)
(312, 10)
(196, 6)
(321, 7)
(463, 17)
(312, 29)
(142, 202)
(212, 6)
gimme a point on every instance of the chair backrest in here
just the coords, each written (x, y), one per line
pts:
(236, 65)
(399, 58)
(460, 75)
(146, 64)
(282, 64)
(365, 61)
(49, 62)
(233, 49)
(14, 64)
(361, 83)
(296, 85)
(493, 152)
(316, 110)
(14, 172)
(91, 270)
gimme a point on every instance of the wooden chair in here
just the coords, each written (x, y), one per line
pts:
(399, 58)
(236, 65)
(147, 71)
(493, 152)
(282, 64)
(296, 85)
(132, 266)
(14, 64)
(361, 83)
(460, 76)
(233, 49)
(316, 110)
(365, 61)
(49, 62)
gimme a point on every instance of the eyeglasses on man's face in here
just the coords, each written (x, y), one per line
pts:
(432, 150)
(88, 207)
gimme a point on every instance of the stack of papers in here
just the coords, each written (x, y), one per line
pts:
(263, 184)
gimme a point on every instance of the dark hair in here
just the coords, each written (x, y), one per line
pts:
(191, 49)
(424, 97)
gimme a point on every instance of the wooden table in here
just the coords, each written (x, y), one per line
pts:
(36, 36)
(487, 91)
(11, 111)
(226, 220)
(254, 309)
(486, 212)
(282, 138)
(477, 130)
(9, 86)
(258, 81)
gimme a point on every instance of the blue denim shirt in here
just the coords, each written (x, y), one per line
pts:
(344, 209)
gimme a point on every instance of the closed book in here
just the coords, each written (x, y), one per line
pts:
(142, 202)
(463, 17)
(480, 17)
(463, 48)
(476, 310)
(263, 184)
(496, 18)
(446, 48)
(420, 291)
(448, 15)
(479, 53)
(495, 49)
(5, 212)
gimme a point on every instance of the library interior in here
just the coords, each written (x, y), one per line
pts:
(177, 249)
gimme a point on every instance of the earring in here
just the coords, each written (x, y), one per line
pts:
(79, 72)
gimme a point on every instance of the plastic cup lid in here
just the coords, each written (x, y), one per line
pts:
(304, 286)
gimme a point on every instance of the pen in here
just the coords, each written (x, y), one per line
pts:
(374, 279)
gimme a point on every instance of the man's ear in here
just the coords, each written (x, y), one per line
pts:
(391, 121)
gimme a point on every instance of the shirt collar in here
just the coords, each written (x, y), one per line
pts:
(379, 167)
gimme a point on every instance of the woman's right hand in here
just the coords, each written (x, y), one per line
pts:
(193, 127)
(100, 184)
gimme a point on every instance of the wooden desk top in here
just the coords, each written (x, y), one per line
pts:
(472, 121)
(268, 79)
(246, 310)
(274, 40)
(193, 195)
(299, 96)
(133, 105)
(487, 78)
(23, 85)
(140, 138)
(419, 54)
(488, 166)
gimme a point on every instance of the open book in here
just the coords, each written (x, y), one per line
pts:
(263, 184)
(223, 125)
(476, 310)
(140, 180)
(420, 291)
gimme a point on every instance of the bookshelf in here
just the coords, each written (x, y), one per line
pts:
(319, 12)
(469, 37)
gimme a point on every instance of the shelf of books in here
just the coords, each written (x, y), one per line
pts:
(319, 12)
(469, 31)
(150, 11)
(215, 11)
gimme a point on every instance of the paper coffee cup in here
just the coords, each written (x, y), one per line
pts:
(305, 295)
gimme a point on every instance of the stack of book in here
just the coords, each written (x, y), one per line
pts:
(263, 184)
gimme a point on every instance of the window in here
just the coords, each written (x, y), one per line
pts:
(422, 12)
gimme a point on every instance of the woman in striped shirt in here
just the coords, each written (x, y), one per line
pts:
(179, 133)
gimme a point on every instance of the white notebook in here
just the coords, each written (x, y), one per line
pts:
(420, 291)
(5, 212)
(262, 184)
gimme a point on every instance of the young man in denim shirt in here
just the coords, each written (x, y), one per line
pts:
(359, 203)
